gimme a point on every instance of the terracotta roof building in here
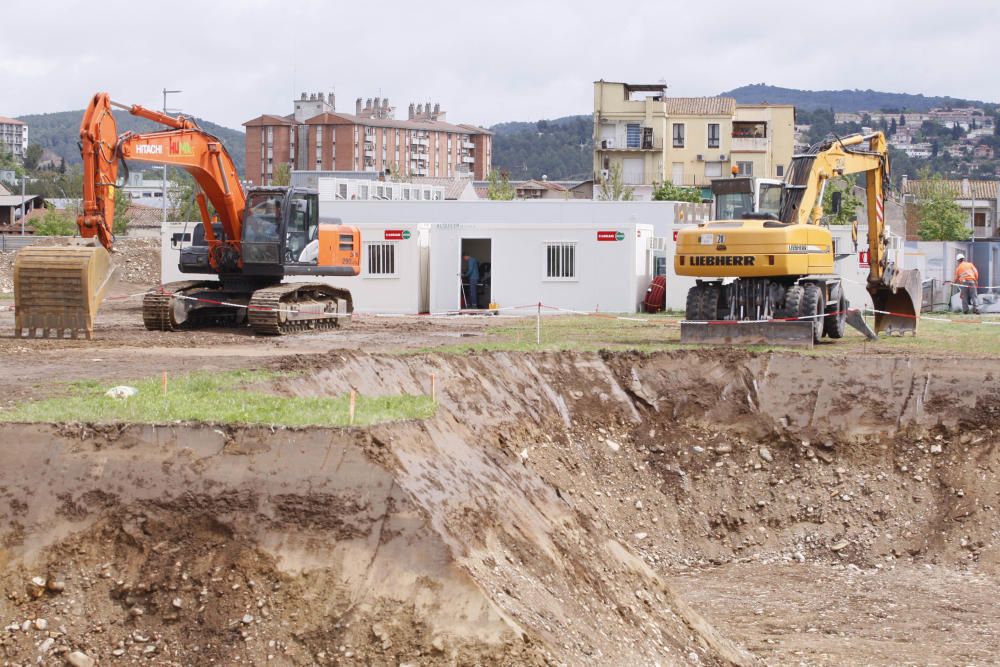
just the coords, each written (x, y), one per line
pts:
(318, 137)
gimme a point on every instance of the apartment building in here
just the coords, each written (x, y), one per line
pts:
(14, 134)
(978, 199)
(318, 137)
(688, 141)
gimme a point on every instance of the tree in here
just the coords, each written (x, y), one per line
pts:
(282, 175)
(62, 165)
(613, 187)
(500, 188)
(940, 218)
(122, 205)
(892, 127)
(33, 156)
(848, 203)
(669, 192)
(902, 120)
(54, 223)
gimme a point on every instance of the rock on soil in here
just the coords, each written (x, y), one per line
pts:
(136, 261)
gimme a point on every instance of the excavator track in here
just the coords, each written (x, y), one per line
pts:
(297, 307)
(159, 305)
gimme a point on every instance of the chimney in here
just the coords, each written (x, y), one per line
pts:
(357, 107)
(333, 103)
(437, 108)
(378, 104)
(420, 111)
(411, 111)
(303, 97)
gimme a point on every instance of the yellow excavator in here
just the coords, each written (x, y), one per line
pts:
(785, 289)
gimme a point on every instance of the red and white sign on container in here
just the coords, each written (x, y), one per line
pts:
(605, 235)
(397, 234)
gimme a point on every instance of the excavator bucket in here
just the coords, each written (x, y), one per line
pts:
(59, 289)
(897, 306)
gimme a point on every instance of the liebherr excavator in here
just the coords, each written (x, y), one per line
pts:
(785, 289)
(262, 236)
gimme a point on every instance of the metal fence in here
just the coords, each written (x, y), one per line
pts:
(12, 242)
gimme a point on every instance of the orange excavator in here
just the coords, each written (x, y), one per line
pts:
(258, 238)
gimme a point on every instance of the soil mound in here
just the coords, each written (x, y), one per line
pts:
(538, 518)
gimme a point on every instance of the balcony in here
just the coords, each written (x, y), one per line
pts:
(469, 159)
(419, 141)
(645, 144)
(468, 144)
(750, 144)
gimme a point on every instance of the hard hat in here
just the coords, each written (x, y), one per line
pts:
(960, 257)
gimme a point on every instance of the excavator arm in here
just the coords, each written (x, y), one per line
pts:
(183, 145)
(896, 293)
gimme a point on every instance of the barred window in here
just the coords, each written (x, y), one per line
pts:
(382, 259)
(560, 261)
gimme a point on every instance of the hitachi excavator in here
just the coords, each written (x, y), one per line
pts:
(785, 289)
(261, 237)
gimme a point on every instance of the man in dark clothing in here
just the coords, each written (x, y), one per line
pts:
(470, 281)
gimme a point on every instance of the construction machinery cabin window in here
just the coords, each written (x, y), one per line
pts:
(560, 261)
(678, 130)
(381, 259)
(713, 135)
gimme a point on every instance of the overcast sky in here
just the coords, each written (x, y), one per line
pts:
(485, 62)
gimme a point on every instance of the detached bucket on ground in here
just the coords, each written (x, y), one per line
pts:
(59, 289)
(897, 307)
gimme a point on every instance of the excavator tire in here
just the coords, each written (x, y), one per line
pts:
(834, 326)
(59, 289)
(813, 303)
(793, 303)
(702, 303)
(297, 307)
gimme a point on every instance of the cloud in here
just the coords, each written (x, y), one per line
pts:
(484, 62)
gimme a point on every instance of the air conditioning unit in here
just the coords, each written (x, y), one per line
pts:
(700, 157)
(605, 174)
(722, 158)
(607, 143)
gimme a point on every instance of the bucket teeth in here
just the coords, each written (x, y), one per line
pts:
(58, 289)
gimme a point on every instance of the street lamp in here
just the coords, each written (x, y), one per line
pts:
(164, 202)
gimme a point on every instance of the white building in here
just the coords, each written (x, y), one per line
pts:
(572, 254)
(149, 192)
(14, 133)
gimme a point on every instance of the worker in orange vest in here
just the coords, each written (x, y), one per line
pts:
(967, 279)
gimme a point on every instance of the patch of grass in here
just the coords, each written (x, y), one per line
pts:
(220, 398)
(965, 336)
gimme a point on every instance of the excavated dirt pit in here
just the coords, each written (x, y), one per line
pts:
(683, 508)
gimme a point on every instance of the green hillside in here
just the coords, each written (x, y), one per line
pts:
(60, 133)
(841, 100)
(559, 149)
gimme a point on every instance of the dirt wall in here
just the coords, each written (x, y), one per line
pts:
(537, 518)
